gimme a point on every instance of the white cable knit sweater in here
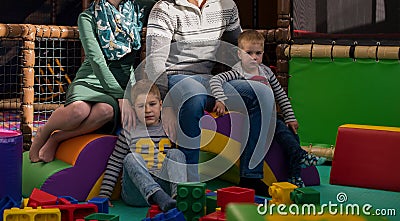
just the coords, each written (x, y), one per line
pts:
(181, 38)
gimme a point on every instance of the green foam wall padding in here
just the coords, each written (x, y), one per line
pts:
(32, 179)
(326, 94)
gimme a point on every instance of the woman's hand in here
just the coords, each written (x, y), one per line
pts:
(169, 122)
(128, 115)
(219, 108)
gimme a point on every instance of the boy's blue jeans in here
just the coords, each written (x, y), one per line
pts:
(190, 95)
(290, 143)
(138, 184)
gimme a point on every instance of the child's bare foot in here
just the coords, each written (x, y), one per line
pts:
(38, 142)
(48, 151)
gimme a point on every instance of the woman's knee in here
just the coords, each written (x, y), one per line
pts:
(264, 94)
(196, 101)
(77, 111)
(104, 111)
(257, 90)
(256, 93)
(187, 88)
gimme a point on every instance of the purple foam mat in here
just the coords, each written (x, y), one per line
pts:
(224, 124)
(78, 180)
(278, 163)
(11, 165)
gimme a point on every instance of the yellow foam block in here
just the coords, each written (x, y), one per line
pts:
(219, 144)
(28, 213)
(94, 192)
(229, 149)
(370, 127)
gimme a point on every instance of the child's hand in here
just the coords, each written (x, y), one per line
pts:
(294, 125)
(219, 108)
(108, 199)
(110, 204)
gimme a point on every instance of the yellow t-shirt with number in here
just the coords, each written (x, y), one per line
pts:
(151, 142)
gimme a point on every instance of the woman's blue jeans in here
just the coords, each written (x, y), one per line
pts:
(138, 184)
(190, 95)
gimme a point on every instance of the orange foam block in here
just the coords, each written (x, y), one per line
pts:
(367, 156)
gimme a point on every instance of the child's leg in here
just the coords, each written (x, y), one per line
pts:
(130, 193)
(298, 158)
(174, 170)
(137, 179)
(291, 146)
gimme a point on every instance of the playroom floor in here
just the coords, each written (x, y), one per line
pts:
(379, 199)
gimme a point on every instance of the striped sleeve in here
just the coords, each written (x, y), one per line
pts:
(114, 165)
(280, 97)
(218, 80)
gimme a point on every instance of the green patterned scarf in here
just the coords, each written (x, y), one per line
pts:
(119, 29)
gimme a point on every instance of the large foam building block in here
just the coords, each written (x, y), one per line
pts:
(11, 165)
(243, 212)
(191, 200)
(222, 136)
(367, 156)
(234, 194)
(28, 213)
(80, 163)
(280, 192)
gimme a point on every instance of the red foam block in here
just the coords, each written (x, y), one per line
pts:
(73, 212)
(41, 198)
(234, 194)
(215, 216)
(367, 156)
(153, 211)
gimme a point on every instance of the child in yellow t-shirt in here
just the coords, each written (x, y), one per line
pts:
(151, 166)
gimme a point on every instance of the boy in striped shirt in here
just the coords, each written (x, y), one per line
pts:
(251, 50)
(151, 167)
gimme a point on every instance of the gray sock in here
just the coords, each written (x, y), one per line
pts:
(163, 200)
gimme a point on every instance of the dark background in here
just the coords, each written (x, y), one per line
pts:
(323, 16)
(260, 14)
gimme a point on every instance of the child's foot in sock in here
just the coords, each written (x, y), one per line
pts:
(311, 160)
(163, 200)
(297, 181)
(261, 189)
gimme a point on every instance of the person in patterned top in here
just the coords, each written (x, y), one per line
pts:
(184, 41)
(151, 165)
(251, 50)
(109, 31)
